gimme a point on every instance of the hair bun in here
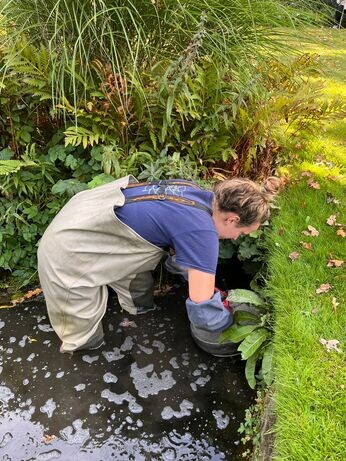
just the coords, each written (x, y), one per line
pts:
(272, 186)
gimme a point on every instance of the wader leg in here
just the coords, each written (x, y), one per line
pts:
(77, 319)
(135, 291)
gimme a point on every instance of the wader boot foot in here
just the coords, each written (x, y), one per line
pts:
(209, 342)
(144, 309)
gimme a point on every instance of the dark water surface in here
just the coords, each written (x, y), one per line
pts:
(148, 394)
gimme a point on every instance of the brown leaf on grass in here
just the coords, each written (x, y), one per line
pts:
(293, 256)
(340, 233)
(331, 199)
(331, 220)
(334, 304)
(306, 173)
(330, 345)
(306, 245)
(314, 184)
(324, 288)
(312, 232)
(48, 438)
(335, 263)
(314, 311)
(281, 231)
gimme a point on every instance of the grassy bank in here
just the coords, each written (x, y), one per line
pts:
(307, 285)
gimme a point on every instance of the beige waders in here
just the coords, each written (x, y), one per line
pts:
(84, 249)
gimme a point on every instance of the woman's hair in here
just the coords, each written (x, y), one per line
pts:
(250, 201)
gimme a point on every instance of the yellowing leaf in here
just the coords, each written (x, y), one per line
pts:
(324, 288)
(334, 304)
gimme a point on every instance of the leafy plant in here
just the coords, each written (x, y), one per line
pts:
(252, 329)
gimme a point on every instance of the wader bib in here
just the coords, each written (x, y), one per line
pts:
(84, 249)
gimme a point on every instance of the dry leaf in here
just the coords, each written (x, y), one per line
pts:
(312, 232)
(48, 438)
(307, 246)
(128, 323)
(306, 173)
(330, 345)
(293, 256)
(335, 263)
(334, 304)
(324, 288)
(340, 233)
(281, 231)
(314, 184)
(314, 311)
(331, 220)
(331, 199)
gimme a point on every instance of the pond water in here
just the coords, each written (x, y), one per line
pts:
(149, 394)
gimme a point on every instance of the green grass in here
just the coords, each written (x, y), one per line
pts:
(311, 382)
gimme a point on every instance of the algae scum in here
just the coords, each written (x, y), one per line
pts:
(148, 394)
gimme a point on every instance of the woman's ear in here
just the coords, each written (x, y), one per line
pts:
(233, 218)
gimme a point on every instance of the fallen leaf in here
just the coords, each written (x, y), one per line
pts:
(324, 288)
(332, 178)
(306, 173)
(331, 220)
(48, 438)
(314, 184)
(314, 311)
(281, 231)
(32, 293)
(306, 245)
(330, 345)
(293, 256)
(128, 323)
(312, 232)
(340, 233)
(334, 304)
(335, 263)
(331, 199)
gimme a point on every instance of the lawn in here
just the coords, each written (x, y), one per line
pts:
(307, 285)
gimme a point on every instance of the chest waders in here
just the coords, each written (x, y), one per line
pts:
(84, 249)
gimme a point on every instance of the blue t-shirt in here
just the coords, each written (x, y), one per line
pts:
(188, 230)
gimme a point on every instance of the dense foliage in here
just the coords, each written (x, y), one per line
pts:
(91, 91)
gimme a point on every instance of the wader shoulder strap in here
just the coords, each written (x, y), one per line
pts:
(165, 182)
(161, 193)
(170, 198)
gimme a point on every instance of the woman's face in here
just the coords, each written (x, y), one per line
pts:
(227, 226)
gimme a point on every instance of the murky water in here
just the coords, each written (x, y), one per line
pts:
(148, 394)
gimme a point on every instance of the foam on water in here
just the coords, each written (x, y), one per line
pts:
(134, 407)
(222, 420)
(185, 407)
(150, 385)
(49, 407)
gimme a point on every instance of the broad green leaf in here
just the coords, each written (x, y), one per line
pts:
(253, 342)
(237, 333)
(99, 180)
(267, 364)
(68, 186)
(244, 296)
(244, 316)
(250, 370)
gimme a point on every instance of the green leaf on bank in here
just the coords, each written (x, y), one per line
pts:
(244, 296)
(237, 333)
(250, 370)
(253, 342)
(267, 364)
